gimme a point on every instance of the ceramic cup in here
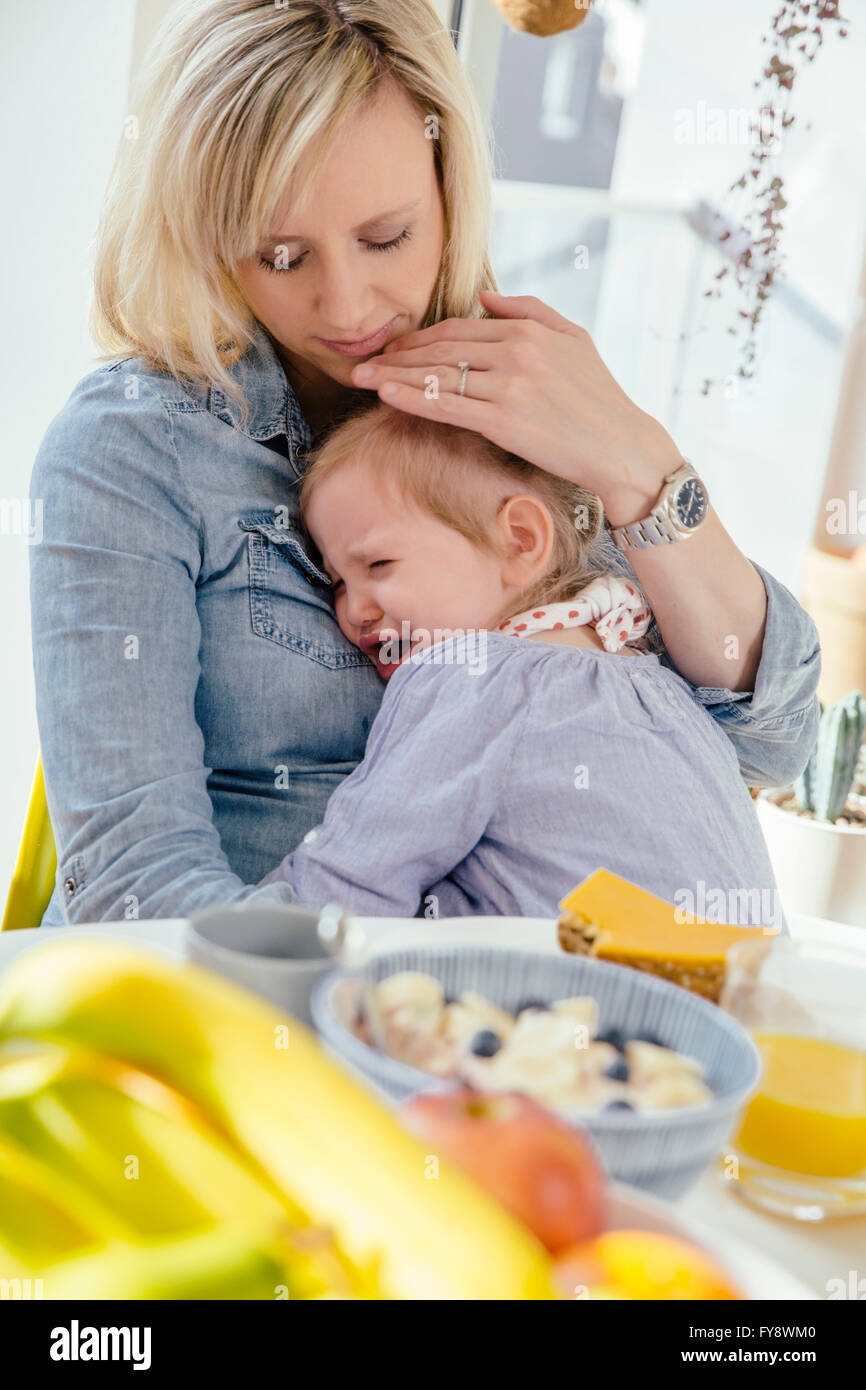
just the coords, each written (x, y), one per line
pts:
(273, 951)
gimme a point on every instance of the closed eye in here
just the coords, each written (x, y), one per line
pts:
(370, 245)
(376, 564)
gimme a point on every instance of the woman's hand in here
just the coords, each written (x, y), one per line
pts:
(537, 387)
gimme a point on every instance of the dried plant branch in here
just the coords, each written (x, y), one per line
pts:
(797, 34)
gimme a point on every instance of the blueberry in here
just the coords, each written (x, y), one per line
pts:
(618, 1070)
(619, 1105)
(530, 1003)
(615, 1037)
(485, 1043)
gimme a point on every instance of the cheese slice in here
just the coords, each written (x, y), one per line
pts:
(607, 917)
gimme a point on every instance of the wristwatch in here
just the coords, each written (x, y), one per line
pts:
(682, 507)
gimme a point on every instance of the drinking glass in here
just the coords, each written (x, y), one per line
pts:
(800, 1149)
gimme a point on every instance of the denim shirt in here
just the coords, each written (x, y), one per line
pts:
(196, 700)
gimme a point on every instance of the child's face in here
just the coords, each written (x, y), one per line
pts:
(397, 565)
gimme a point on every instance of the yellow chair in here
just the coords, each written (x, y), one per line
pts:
(33, 878)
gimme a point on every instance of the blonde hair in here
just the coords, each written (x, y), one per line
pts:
(233, 95)
(433, 463)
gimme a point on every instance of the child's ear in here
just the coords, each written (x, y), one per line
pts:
(527, 530)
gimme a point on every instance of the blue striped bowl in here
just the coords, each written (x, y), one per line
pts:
(663, 1151)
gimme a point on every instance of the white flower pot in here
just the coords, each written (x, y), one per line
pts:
(820, 867)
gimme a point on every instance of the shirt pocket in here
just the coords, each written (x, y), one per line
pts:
(290, 599)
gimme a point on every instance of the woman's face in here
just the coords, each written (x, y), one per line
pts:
(365, 254)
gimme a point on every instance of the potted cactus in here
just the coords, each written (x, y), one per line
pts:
(816, 829)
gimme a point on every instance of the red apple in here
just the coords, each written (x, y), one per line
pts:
(535, 1164)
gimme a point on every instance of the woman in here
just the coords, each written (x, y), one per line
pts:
(308, 184)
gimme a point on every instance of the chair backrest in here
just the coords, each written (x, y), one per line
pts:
(33, 877)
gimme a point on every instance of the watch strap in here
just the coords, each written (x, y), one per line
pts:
(654, 529)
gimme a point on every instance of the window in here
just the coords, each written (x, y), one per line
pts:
(610, 172)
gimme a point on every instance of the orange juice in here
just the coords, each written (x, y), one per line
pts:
(809, 1112)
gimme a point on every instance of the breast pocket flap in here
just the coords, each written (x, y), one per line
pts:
(288, 538)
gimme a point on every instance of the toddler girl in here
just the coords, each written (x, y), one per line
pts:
(525, 736)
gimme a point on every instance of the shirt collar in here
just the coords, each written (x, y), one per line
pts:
(273, 406)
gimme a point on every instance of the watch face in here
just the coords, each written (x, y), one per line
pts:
(689, 506)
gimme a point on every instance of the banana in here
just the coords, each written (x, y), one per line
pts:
(44, 1216)
(336, 1152)
(139, 1171)
(216, 1264)
(62, 1246)
(149, 1163)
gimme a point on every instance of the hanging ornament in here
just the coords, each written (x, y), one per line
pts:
(543, 17)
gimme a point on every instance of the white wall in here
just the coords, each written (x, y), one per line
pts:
(64, 72)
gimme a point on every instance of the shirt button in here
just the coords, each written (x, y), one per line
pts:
(310, 836)
(301, 452)
(69, 887)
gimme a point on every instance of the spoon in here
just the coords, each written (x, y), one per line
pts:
(345, 939)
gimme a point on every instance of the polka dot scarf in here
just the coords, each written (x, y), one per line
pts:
(611, 605)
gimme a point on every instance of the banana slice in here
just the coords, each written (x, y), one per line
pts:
(587, 1095)
(582, 1007)
(544, 1034)
(427, 1050)
(460, 1026)
(675, 1090)
(411, 998)
(532, 1074)
(647, 1061)
(597, 1058)
(489, 1015)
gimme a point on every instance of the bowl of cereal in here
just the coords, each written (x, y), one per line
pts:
(655, 1074)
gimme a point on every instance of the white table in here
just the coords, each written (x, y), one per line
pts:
(813, 1254)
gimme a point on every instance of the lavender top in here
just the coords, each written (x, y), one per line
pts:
(499, 772)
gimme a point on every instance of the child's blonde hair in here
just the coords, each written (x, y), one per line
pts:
(232, 97)
(432, 464)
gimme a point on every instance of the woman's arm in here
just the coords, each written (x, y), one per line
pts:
(773, 726)
(115, 646)
(707, 598)
(749, 650)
